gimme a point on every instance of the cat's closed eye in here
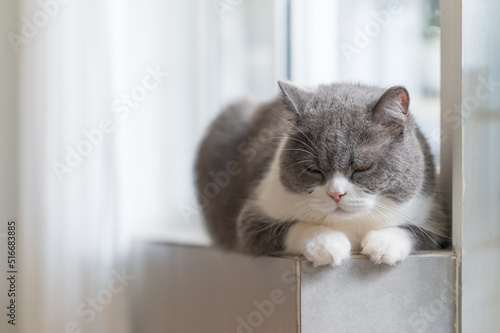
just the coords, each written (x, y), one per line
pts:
(364, 167)
(341, 178)
(315, 171)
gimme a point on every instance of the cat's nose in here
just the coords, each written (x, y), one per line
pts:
(336, 196)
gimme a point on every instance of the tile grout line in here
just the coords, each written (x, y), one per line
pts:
(298, 279)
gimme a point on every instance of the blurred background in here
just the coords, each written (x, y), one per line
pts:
(104, 102)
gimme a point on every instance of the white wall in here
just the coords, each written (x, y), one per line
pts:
(481, 160)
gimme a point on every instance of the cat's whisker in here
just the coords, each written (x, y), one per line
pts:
(298, 149)
(371, 219)
(386, 217)
(380, 212)
(255, 231)
(404, 222)
(402, 214)
(286, 137)
(390, 210)
(413, 223)
(432, 231)
(356, 206)
(423, 232)
(356, 142)
(283, 230)
(292, 209)
(289, 166)
(310, 166)
(299, 212)
(359, 127)
(276, 222)
(364, 216)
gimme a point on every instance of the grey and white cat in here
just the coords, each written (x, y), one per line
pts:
(321, 173)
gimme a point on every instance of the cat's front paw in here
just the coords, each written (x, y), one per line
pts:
(327, 248)
(320, 244)
(388, 246)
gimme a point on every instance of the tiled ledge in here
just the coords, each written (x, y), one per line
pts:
(186, 289)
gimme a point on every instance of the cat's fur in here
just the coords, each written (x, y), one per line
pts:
(271, 177)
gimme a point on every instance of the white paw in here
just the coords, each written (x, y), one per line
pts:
(319, 244)
(327, 248)
(388, 246)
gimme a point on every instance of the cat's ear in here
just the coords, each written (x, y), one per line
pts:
(294, 97)
(392, 107)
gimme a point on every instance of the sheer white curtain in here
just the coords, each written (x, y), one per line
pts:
(72, 237)
(114, 97)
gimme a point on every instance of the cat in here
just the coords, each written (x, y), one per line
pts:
(321, 173)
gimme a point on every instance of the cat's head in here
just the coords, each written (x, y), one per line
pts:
(350, 148)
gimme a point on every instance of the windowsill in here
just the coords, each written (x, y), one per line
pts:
(358, 255)
(203, 240)
(194, 284)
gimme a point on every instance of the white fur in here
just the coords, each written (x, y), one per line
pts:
(338, 184)
(387, 246)
(356, 216)
(319, 244)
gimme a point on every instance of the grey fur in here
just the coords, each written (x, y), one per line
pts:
(244, 134)
(340, 127)
(259, 234)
